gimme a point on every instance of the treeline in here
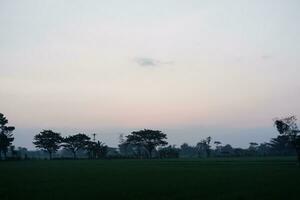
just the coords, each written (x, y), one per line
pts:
(145, 144)
(279, 146)
(50, 142)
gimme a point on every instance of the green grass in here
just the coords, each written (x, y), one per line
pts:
(261, 178)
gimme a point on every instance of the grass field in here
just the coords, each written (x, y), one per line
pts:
(261, 178)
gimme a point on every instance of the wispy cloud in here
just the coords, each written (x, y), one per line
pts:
(150, 62)
(146, 62)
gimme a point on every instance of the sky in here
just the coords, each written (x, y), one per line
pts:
(192, 69)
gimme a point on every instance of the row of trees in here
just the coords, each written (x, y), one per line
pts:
(276, 147)
(151, 143)
(50, 142)
(279, 146)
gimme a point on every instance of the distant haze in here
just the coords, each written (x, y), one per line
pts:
(189, 68)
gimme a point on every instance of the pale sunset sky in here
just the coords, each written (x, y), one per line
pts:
(191, 68)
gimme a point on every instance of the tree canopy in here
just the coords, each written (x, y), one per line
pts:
(48, 141)
(204, 147)
(288, 127)
(149, 139)
(96, 149)
(76, 142)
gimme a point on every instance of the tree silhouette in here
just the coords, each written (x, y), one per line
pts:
(204, 146)
(96, 149)
(218, 146)
(281, 145)
(13, 151)
(227, 150)
(101, 149)
(168, 152)
(217, 143)
(208, 150)
(188, 151)
(252, 150)
(6, 136)
(264, 149)
(48, 141)
(149, 139)
(122, 145)
(253, 146)
(288, 127)
(76, 142)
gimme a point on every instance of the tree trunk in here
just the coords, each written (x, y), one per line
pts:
(4, 152)
(297, 147)
(50, 155)
(74, 155)
(150, 152)
(0, 155)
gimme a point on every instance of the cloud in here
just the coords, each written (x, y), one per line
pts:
(150, 62)
(146, 62)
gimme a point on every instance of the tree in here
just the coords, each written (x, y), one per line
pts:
(288, 127)
(264, 149)
(122, 145)
(6, 136)
(48, 141)
(204, 147)
(96, 149)
(13, 151)
(149, 139)
(218, 147)
(201, 146)
(188, 151)
(227, 150)
(168, 152)
(217, 143)
(252, 148)
(76, 142)
(130, 150)
(281, 145)
(253, 144)
(101, 150)
(23, 152)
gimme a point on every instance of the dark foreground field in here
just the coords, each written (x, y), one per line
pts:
(272, 178)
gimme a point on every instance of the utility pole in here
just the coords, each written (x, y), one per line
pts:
(94, 137)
